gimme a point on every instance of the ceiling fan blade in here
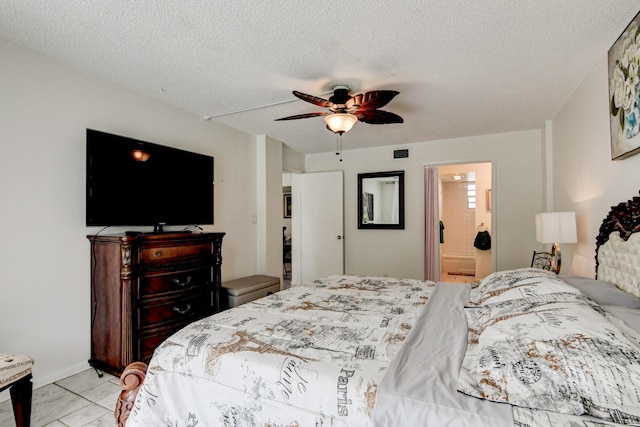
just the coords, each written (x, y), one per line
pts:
(371, 100)
(303, 116)
(313, 99)
(378, 117)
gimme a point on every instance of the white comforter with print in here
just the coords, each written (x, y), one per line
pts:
(309, 356)
(358, 351)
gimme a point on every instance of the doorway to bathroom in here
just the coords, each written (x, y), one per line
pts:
(462, 252)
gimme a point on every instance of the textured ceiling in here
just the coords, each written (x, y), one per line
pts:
(462, 67)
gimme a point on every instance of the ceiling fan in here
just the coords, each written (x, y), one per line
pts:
(345, 110)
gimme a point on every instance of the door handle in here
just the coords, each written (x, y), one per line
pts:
(339, 237)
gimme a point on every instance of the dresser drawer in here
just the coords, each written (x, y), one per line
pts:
(148, 344)
(159, 283)
(176, 310)
(168, 253)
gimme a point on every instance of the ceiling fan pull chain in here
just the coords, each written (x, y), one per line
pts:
(339, 146)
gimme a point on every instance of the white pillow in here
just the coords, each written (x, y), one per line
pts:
(603, 292)
(517, 284)
(556, 352)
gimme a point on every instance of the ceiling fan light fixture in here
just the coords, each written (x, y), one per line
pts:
(340, 122)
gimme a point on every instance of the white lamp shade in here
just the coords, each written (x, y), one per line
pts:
(340, 122)
(556, 227)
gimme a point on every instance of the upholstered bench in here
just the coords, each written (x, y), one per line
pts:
(245, 289)
(15, 375)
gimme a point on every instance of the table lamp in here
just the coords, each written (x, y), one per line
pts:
(556, 228)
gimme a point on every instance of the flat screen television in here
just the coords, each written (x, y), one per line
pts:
(137, 183)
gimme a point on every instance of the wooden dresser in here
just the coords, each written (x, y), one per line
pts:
(146, 287)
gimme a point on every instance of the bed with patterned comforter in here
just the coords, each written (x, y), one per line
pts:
(310, 355)
(521, 348)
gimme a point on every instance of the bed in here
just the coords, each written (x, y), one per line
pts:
(522, 347)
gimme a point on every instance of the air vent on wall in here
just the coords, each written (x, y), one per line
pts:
(400, 154)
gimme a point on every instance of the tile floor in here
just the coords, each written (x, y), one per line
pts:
(82, 400)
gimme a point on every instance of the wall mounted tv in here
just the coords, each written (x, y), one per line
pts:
(137, 183)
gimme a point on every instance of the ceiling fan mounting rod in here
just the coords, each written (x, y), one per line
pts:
(273, 104)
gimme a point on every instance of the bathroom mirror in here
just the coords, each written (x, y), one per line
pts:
(381, 200)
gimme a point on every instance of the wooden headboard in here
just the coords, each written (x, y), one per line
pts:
(623, 218)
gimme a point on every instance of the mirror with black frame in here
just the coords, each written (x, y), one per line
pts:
(381, 200)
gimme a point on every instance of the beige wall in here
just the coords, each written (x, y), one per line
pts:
(517, 186)
(269, 218)
(585, 179)
(44, 254)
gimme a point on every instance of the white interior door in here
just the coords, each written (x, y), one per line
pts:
(317, 226)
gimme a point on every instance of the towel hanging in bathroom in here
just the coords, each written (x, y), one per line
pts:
(482, 240)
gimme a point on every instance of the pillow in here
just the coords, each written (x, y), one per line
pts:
(556, 352)
(516, 284)
(630, 316)
(603, 292)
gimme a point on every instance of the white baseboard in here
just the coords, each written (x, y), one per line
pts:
(39, 381)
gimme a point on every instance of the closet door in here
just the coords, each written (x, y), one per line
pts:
(317, 226)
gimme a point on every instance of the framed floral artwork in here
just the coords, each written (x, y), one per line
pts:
(624, 92)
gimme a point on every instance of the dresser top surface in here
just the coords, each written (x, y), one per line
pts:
(155, 237)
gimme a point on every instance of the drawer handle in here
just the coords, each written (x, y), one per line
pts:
(180, 283)
(179, 311)
(158, 253)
